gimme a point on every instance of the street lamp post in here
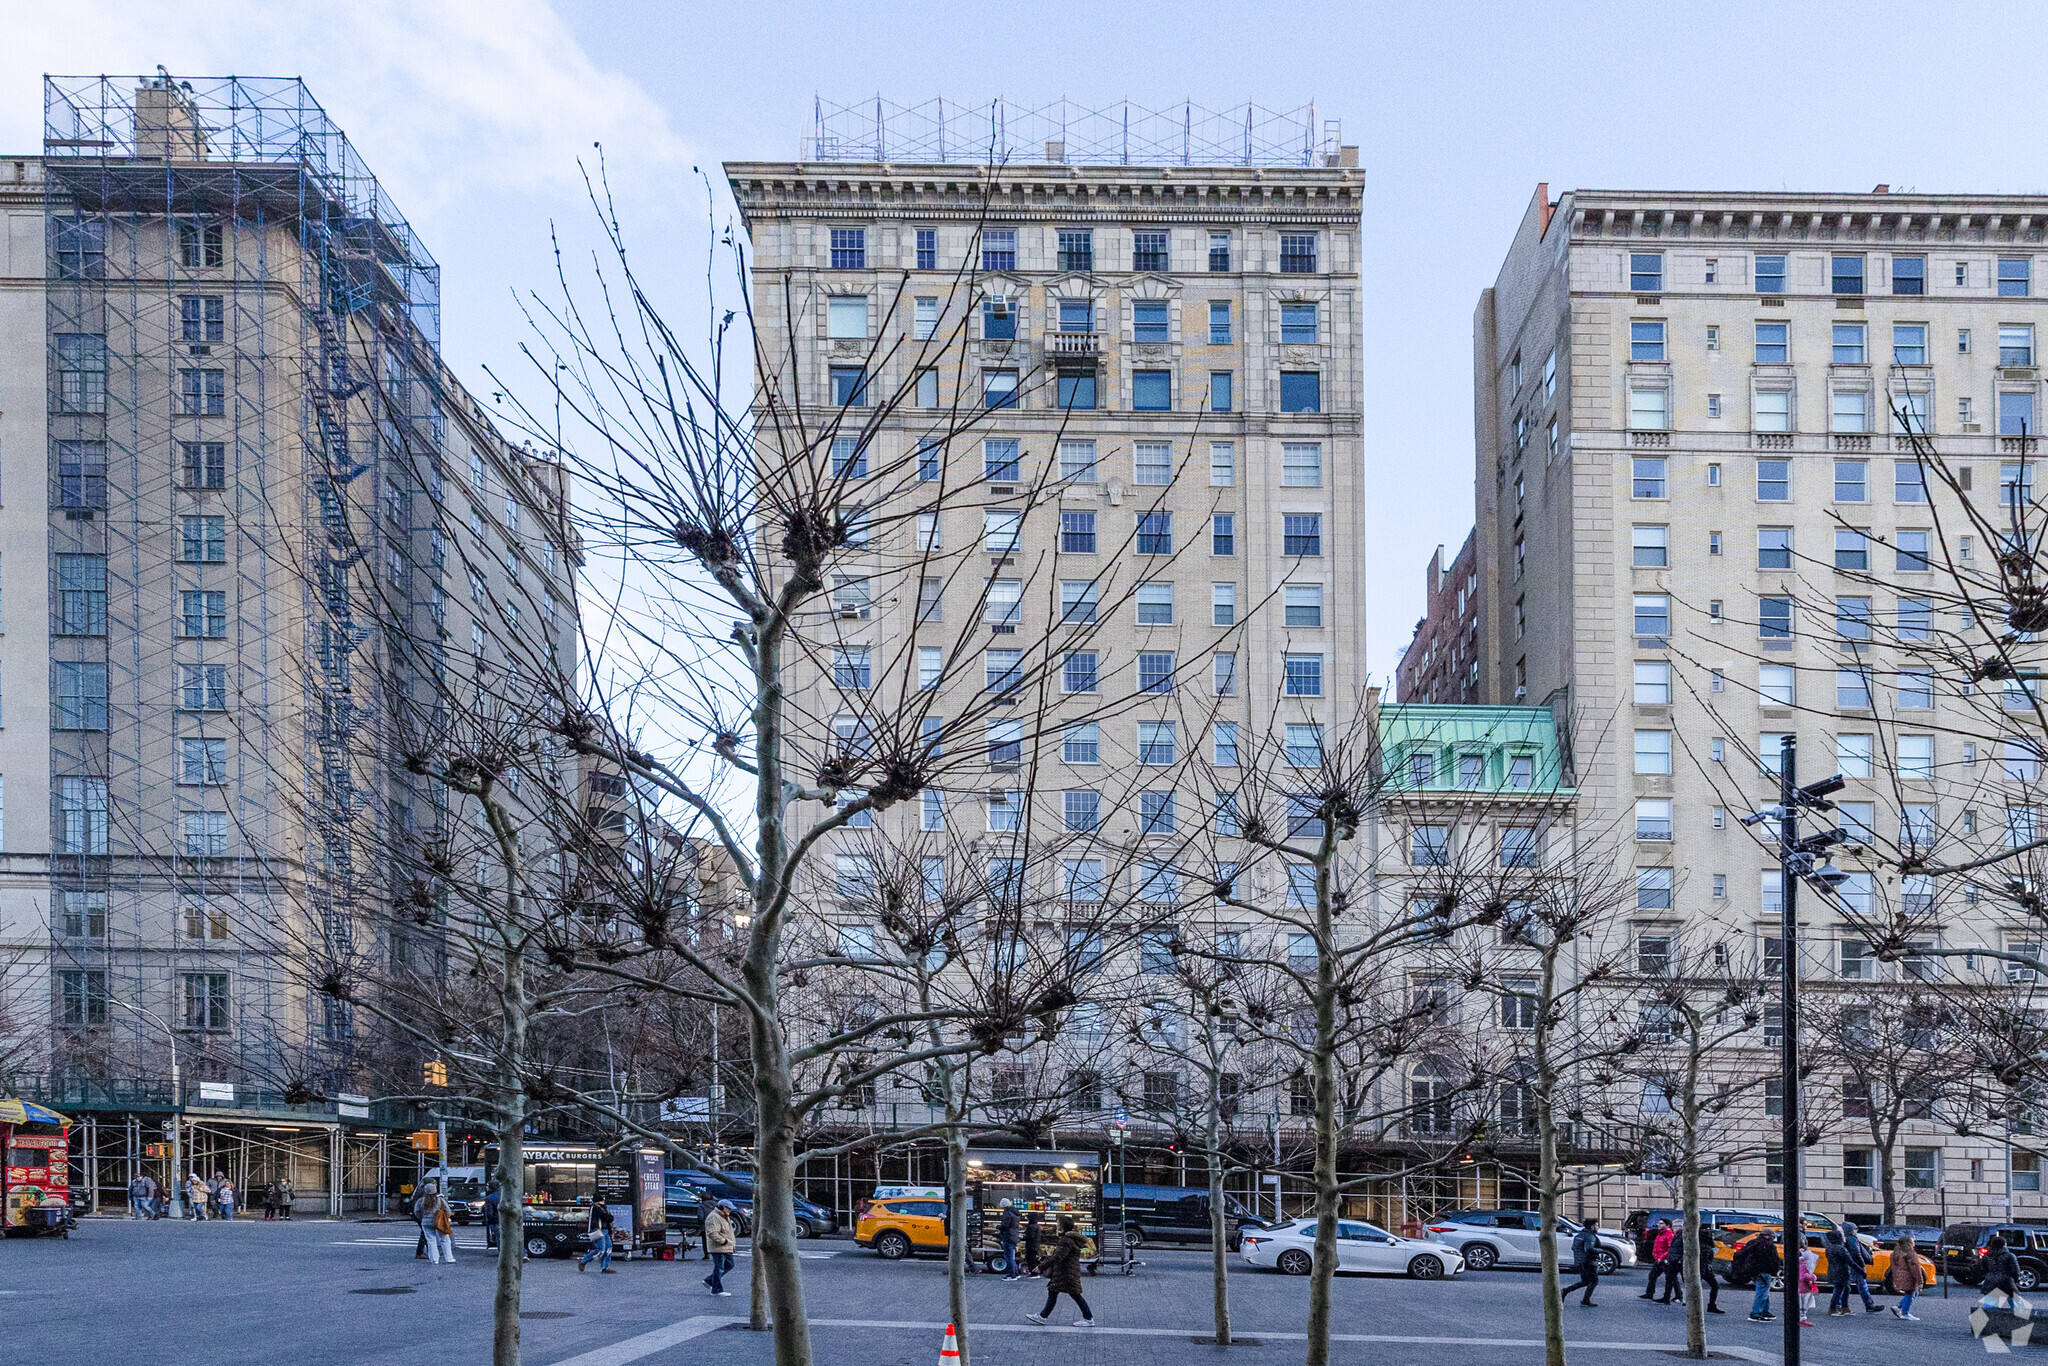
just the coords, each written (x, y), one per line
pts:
(1795, 861)
(177, 1182)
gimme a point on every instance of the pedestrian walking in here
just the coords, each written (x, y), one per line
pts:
(269, 1201)
(1006, 1234)
(719, 1246)
(1756, 1261)
(1031, 1237)
(195, 1198)
(1999, 1271)
(1707, 1281)
(1859, 1266)
(1809, 1284)
(601, 1222)
(213, 1195)
(138, 1198)
(437, 1227)
(1905, 1277)
(227, 1198)
(1585, 1261)
(491, 1203)
(284, 1195)
(1674, 1269)
(1660, 1248)
(1838, 1273)
(1063, 1275)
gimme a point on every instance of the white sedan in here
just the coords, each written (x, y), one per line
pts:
(1360, 1247)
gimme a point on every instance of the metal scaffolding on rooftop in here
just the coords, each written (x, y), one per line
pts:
(1064, 132)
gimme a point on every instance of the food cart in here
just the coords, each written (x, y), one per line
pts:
(563, 1180)
(35, 1178)
(1051, 1182)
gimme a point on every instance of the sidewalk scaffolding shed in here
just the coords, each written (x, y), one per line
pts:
(1049, 1182)
(35, 1170)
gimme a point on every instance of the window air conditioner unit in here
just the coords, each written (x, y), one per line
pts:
(847, 609)
(1521, 694)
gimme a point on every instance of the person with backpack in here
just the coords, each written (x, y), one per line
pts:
(601, 1225)
(1585, 1255)
(1905, 1277)
(1999, 1271)
(1757, 1261)
(1006, 1234)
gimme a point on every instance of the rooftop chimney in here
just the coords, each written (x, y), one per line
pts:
(167, 122)
(1881, 189)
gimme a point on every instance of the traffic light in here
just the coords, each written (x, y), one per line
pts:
(437, 1073)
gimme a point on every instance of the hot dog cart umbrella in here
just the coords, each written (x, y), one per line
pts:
(1052, 1182)
(35, 1169)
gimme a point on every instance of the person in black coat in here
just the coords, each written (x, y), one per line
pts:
(1674, 1269)
(1756, 1261)
(1063, 1275)
(1031, 1236)
(1006, 1235)
(1999, 1271)
(1707, 1281)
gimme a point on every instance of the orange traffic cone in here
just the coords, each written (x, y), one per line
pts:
(950, 1349)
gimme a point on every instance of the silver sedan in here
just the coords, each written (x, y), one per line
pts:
(1509, 1237)
(1360, 1247)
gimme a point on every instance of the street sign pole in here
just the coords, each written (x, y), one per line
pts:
(1788, 985)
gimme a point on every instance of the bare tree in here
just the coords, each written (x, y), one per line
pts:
(1701, 1012)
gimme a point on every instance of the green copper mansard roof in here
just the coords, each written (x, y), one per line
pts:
(1432, 747)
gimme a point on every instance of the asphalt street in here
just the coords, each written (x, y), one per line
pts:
(315, 1292)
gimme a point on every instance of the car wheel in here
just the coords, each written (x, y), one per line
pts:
(1133, 1236)
(1606, 1263)
(536, 1247)
(1295, 1262)
(997, 1264)
(1427, 1268)
(892, 1246)
(1480, 1256)
(2027, 1279)
(803, 1230)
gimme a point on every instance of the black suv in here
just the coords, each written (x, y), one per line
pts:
(1962, 1245)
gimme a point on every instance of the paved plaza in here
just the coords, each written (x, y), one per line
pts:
(309, 1292)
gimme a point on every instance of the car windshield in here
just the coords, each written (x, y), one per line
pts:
(461, 1189)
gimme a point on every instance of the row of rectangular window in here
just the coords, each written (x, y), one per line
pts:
(80, 687)
(1080, 670)
(1855, 690)
(1150, 250)
(1772, 343)
(1152, 462)
(1650, 548)
(1847, 274)
(82, 470)
(1002, 533)
(82, 999)
(1650, 478)
(1301, 391)
(846, 319)
(80, 246)
(1854, 619)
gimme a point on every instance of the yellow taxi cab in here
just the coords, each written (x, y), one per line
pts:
(899, 1226)
(1816, 1238)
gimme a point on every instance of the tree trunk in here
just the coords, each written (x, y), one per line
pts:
(511, 1227)
(1689, 1116)
(775, 1261)
(1546, 1165)
(1325, 1077)
(757, 1289)
(1890, 1192)
(1219, 1221)
(960, 1232)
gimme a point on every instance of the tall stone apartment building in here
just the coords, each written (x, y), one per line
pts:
(1688, 409)
(1442, 662)
(250, 517)
(1168, 359)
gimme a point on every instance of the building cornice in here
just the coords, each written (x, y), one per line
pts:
(1791, 219)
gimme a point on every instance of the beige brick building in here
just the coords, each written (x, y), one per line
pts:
(1688, 410)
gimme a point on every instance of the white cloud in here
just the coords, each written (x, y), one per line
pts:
(504, 81)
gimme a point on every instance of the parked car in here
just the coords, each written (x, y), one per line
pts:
(738, 1188)
(900, 1227)
(1963, 1244)
(1514, 1237)
(1290, 1248)
(1926, 1237)
(1172, 1214)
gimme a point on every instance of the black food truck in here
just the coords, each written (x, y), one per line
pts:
(563, 1181)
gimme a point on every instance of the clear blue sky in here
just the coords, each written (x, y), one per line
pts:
(474, 113)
